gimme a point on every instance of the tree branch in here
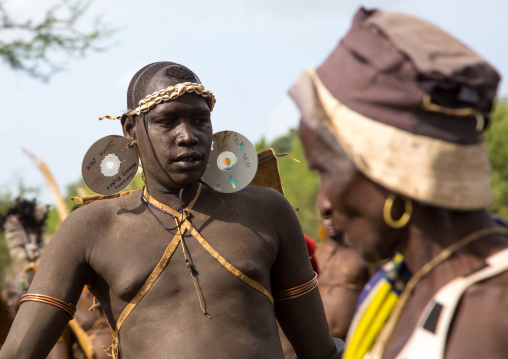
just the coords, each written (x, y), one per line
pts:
(36, 44)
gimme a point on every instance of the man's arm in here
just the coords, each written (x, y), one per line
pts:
(62, 273)
(303, 318)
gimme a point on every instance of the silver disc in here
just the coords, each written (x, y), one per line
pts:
(232, 164)
(109, 165)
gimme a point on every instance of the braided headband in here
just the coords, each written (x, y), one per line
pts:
(42, 298)
(297, 291)
(170, 93)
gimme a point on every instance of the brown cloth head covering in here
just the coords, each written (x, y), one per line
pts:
(406, 103)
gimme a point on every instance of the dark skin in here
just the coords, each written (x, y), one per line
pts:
(478, 329)
(343, 273)
(5, 322)
(113, 245)
(14, 291)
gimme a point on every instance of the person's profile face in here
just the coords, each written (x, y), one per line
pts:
(348, 199)
(333, 232)
(335, 174)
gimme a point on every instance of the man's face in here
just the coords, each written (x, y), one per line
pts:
(352, 202)
(180, 131)
(323, 205)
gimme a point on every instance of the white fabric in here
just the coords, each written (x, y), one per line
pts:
(424, 344)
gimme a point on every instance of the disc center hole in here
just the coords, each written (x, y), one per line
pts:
(227, 161)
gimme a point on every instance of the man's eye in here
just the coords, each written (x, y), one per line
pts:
(166, 122)
(201, 121)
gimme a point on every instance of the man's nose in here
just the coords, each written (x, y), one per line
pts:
(323, 204)
(186, 135)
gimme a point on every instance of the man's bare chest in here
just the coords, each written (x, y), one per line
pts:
(125, 258)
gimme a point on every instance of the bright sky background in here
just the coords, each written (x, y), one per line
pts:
(247, 52)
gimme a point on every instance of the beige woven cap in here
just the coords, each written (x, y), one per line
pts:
(426, 169)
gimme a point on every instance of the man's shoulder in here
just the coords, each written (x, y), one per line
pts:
(104, 208)
(260, 193)
(264, 201)
(261, 197)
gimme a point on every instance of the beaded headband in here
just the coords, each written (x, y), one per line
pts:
(170, 93)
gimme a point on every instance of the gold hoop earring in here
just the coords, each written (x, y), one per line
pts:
(387, 212)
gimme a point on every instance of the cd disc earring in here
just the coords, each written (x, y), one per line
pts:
(109, 165)
(232, 164)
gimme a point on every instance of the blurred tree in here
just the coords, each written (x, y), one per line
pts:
(5, 259)
(31, 46)
(497, 144)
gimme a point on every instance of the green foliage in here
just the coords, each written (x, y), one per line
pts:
(5, 259)
(300, 185)
(497, 144)
(5, 202)
(52, 221)
(35, 44)
(285, 143)
(261, 145)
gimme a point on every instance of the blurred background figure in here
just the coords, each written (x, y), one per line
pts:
(16, 286)
(23, 225)
(393, 121)
(343, 273)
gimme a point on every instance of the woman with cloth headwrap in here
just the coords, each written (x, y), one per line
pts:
(393, 121)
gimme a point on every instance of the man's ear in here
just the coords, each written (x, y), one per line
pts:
(128, 127)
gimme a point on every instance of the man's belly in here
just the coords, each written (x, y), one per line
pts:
(242, 325)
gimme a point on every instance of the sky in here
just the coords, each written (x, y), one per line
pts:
(247, 52)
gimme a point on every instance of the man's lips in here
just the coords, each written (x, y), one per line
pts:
(189, 161)
(331, 230)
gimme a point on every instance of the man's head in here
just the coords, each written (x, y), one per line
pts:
(399, 107)
(172, 127)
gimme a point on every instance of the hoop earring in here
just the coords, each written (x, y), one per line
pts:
(387, 212)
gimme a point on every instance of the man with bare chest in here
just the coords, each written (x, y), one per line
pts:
(179, 270)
